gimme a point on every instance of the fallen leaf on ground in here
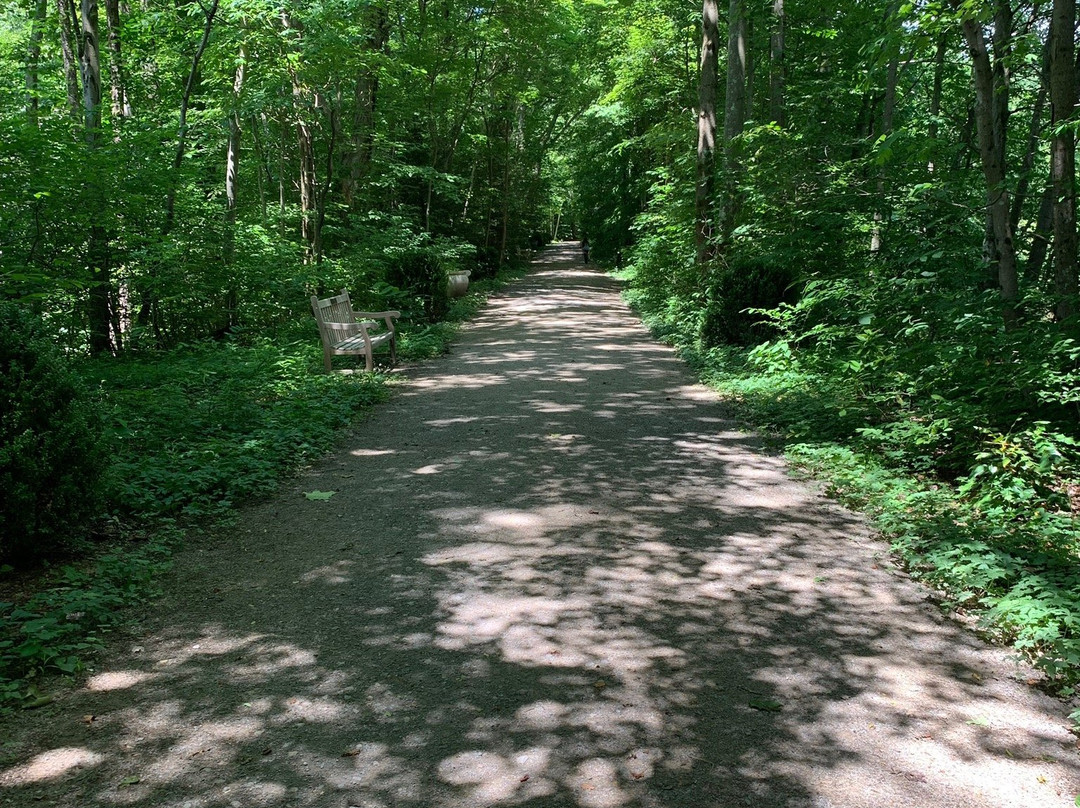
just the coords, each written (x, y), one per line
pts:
(131, 780)
(766, 705)
(315, 496)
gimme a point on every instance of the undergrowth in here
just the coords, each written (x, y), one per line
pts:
(192, 432)
(979, 511)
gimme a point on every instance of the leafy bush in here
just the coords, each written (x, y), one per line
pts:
(738, 290)
(425, 272)
(52, 456)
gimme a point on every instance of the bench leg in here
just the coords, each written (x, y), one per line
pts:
(326, 361)
(369, 364)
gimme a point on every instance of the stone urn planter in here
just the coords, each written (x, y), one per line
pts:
(459, 282)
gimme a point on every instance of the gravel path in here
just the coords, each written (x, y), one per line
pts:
(553, 574)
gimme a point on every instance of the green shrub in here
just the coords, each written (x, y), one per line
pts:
(737, 290)
(425, 272)
(52, 455)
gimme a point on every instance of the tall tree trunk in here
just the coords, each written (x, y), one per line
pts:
(365, 104)
(939, 80)
(888, 112)
(185, 105)
(147, 302)
(1034, 137)
(991, 135)
(734, 113)
(1040, 238)
(706, 146)
(121, 107)
(33, 60)
(1063, 88)
(777, 67)
(97, 247)
(69, 50)
(232, 172)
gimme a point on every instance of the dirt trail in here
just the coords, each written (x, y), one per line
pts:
(553, 574)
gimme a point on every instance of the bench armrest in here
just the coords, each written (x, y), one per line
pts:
(371, 315)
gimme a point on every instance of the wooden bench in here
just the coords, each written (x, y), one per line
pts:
(345, 332)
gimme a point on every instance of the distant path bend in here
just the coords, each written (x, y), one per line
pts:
(553, 574)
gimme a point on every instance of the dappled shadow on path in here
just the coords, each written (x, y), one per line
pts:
(553, 574)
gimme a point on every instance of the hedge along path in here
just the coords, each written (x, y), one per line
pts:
(551, 573)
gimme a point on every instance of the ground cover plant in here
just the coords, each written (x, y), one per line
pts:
(191, 433)
(975, 487)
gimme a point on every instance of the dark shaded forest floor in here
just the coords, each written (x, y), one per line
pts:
(552, 572)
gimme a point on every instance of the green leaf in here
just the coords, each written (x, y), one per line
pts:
(766, 705)
(316, 496)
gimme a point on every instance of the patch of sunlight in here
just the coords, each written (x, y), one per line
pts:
(336, 573)
(116, 680)
(50, 765)
(492, 778)
(434, 468)
(371, 452)
(596, 784)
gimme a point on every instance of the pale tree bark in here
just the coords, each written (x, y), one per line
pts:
(66, 14)
(121, 106)
(706, 145)
(1063, 87)
(777, 66)
(33, 60)
(991, 137)
(232, 173)
(735, 109)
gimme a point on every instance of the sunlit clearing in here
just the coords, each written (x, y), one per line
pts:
(47, 765)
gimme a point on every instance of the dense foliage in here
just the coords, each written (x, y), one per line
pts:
(873, 247)
(851, 293)
(52, 451)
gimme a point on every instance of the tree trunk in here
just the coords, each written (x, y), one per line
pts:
(232, 172)
(147, 301)
(1063, 87)
(365, 97)
(935, 93)
(66, 12)
(121, 107)
(33, 60)
(734, 113)
(97, 249)
(1034, 137)
(1040, 238)
(991, 136)
(706, 146)
(777, 68)
(888, 112)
